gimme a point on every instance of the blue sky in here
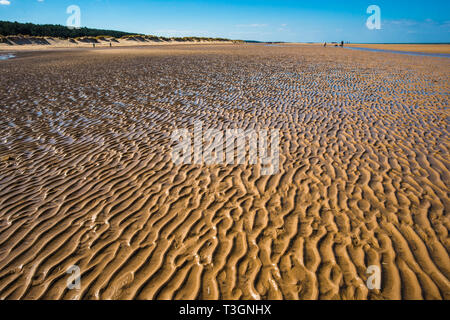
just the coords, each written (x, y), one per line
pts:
(301, 21)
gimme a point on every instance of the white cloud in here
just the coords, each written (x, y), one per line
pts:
(401, 22)
(253, 25)
(406, 23)
(5, 2)
(181, 33)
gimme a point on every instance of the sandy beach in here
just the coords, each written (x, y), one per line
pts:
(87, 178)
(419, 48)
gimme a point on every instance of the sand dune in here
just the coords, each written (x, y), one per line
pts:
(86, 176)
(29, 43)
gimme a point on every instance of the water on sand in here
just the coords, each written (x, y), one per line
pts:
(7, 56)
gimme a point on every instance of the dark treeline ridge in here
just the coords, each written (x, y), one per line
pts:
(52, 30)
(8, 28)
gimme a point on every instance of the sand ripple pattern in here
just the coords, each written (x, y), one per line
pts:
(86, 176)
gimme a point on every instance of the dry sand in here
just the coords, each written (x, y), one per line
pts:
(86, 176)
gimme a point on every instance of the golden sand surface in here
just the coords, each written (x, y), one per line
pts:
(424, 48)
(87, 179)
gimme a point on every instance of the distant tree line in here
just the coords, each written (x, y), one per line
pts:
(51, 30)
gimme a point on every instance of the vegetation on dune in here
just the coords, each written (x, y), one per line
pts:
(198, 39)
(180, 39)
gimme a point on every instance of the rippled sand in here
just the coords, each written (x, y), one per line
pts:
(86, 176)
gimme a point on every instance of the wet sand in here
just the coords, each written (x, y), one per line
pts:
(86, 176)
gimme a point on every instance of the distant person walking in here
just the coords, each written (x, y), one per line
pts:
(325, 44)
(342, 44)
(93, 45)
(110, 43)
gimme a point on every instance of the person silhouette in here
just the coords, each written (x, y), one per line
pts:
(325, 44)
